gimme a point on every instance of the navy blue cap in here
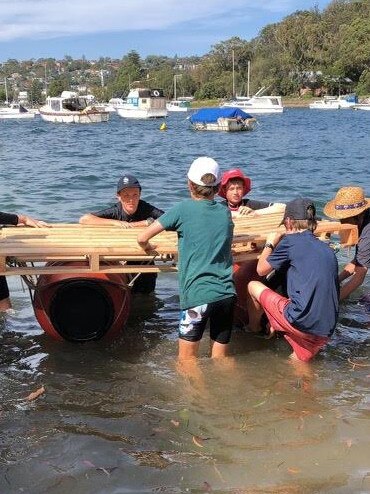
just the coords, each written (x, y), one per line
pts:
(128, 181)
(300, 209)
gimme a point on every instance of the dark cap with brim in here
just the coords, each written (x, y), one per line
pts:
(128, 181)
(298, 209)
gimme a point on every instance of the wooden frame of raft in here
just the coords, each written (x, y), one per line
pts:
(21, 247)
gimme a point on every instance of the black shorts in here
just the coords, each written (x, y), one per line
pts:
(193, 321)
(144, 283)
(4, 290)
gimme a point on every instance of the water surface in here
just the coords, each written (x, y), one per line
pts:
(118, 417)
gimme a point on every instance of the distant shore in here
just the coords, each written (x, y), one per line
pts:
(288, 102)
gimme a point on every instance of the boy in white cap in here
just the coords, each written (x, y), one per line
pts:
(205, 231)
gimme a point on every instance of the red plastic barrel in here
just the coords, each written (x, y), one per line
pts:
(82, 307)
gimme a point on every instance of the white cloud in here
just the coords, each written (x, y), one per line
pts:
(40, 19)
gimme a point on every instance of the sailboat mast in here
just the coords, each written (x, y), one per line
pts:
(233, 58)
(248, 81)
(174, 87)
(6, 91)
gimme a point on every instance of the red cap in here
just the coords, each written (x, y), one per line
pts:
(235, 173)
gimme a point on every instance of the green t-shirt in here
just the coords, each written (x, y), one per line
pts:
(205, 231)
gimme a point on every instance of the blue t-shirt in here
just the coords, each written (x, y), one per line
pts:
(312, 285)
(205, 231)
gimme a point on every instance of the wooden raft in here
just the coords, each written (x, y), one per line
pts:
(25, 251)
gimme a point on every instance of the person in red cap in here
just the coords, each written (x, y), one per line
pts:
(234, 186)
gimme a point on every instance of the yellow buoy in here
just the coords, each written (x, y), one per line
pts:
(163, 126)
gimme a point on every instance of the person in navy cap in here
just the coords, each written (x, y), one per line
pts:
(308, 316)
(130, 211)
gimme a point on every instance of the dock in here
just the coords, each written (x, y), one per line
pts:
(28, 251)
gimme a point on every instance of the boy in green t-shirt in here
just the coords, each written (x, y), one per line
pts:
(205, 231)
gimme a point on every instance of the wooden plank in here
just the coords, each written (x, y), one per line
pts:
(38, 270)
(98, 244)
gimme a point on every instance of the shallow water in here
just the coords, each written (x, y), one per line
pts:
(119, 417)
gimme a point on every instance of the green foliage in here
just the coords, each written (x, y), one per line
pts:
(327, 51)
(35, 94)
(363, 87)
(57, 86)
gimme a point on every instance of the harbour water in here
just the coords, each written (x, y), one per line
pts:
(118, 417)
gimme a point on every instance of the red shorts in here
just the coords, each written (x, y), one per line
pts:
(305, 345)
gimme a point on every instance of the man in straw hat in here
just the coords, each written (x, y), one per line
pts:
(351, 206)
(307, 318)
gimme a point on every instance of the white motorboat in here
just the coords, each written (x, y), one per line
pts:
(364, 105)
(111, 106)
(143, 103)
(256, 104)
(71, 109)
(335, 102)
(15, 110)
(177, 104)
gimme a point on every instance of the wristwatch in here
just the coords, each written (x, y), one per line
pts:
(269, 245)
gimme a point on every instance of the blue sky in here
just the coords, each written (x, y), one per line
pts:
(111, 28)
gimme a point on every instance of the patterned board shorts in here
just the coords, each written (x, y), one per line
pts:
(193, 321)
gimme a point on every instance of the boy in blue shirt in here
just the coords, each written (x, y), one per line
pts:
(205, 231)
(308, 317)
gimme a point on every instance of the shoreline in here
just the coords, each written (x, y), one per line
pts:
(287, 103)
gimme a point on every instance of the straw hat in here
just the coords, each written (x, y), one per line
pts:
(349, 201)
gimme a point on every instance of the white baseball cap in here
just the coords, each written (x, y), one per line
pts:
(201, 166)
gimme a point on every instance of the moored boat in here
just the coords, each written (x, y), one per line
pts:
(71, 109)
(15, 110)
(335, 102)
(222, 119)
(178, 105)
(256, 104)
(363, 105)
(143, 103)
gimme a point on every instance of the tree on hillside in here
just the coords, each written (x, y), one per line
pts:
(35, 93)
(131, 70)
(57, 86)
